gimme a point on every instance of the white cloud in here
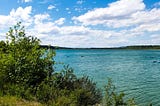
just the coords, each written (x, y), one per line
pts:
(26, 1)
(88, 38)
(50, 7)
(115, 11)
(74, 30)
(72, 36)
(121, 25)
(20, 14)
(40, 18)
(135, 25)
(60, 21)
(44, 26)
(148, 27)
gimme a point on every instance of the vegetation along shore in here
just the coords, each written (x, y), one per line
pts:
(27, 77)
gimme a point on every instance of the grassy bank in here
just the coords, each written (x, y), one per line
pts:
(15, 101)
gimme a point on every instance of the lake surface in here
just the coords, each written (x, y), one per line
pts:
(135, 72)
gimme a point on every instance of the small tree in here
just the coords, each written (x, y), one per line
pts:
(22, 61)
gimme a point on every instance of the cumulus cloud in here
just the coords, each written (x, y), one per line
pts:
(74, 30)
(109, 16)
(40, 18)
(118, 25)
(135, 23)
(50, 7)
(43, 25)
(81, 36)
(71, 36)
(20, 14)
(151, 27)
(46, 28)
(60, 21)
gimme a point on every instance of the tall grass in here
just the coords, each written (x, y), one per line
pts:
(15, 101)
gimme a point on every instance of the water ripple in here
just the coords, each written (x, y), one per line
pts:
(135, 72)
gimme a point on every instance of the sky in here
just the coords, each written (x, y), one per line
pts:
(85, 23)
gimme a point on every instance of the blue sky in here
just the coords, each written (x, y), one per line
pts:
(85, 23)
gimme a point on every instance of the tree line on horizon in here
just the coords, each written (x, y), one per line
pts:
(134, 47)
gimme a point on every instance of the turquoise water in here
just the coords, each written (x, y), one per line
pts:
(135, 72)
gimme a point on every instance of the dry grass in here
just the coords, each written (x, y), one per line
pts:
(14, 101)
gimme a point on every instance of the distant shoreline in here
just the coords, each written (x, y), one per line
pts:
(139, 47)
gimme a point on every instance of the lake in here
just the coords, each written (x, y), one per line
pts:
(135, 72)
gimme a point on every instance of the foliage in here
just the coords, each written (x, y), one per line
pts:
(27, 71)
(22, 61)
(73, 90)
(15, 101)
(114, 99)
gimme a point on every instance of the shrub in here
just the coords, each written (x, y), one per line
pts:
(114, 99)
(75, 91)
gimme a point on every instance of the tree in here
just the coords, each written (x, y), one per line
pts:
(22, 61)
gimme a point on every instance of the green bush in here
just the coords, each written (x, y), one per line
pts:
(114, 99)
(64, 84)
(18, 91)
(46, 93)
